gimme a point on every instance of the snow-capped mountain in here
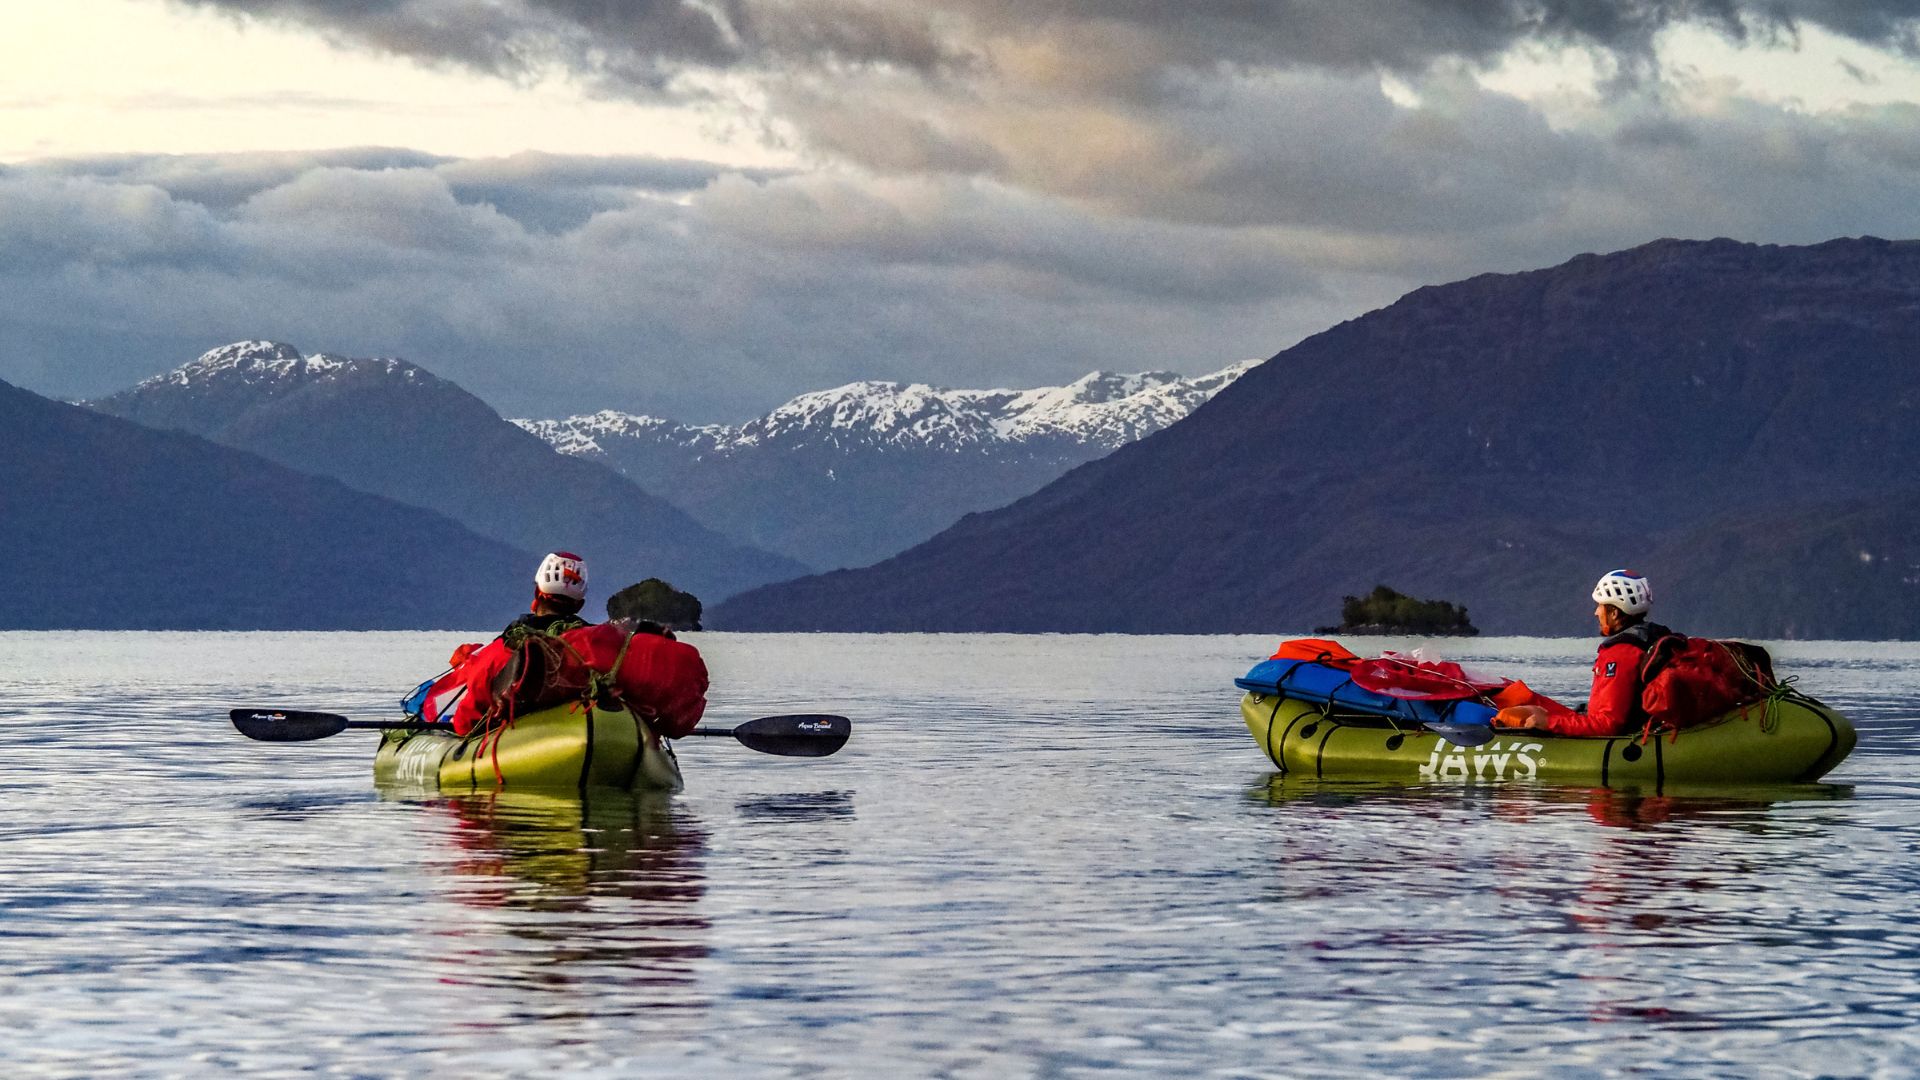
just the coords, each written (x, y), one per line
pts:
(840, 477)
(590, 434)
(390, 428)
(269, 365)
(223, 385)
(851, 475)
(1100, 410)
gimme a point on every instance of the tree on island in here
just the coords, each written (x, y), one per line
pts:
(656, 601)
(1385, 611)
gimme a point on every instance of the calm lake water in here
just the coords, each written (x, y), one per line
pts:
(1039, 856)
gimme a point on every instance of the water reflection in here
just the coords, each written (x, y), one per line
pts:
(1571, 905)
(1009, 894)
(1536, 848)
(801, 806)
(1732, 807)
(1741, 806)
(602, 886)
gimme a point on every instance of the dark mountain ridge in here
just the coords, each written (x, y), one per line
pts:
(110, 525)
(1499, 441)
(391, 428)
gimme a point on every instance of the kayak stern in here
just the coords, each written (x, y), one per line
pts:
(553, 749)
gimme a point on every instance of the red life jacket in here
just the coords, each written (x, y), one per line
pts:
(1687, 681)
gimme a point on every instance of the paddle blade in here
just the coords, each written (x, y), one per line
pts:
(287, 725)
(1462, 734)
(796, 735)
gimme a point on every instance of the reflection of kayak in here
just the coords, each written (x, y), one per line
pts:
(1794, 738)
(569, 858)
(1607, 805)
(553, 749)
(569, 846)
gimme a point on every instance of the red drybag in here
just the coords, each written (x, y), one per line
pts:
(1688, 681)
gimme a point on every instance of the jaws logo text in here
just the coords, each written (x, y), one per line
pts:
(1483, 763)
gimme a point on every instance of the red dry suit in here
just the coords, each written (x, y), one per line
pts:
(659, 677)
(1613, 708)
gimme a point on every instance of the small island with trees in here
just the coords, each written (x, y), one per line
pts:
(1385, 611)
(656, 601)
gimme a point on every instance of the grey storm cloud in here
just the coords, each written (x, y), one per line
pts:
(644, 42)
(1213, 112)
(639, 45)
(994, 193)
(706, 293)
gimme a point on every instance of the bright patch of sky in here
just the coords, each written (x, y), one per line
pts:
(1814, 71)
(81, 77)
(1823, 73)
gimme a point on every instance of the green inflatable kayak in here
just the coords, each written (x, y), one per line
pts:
(550, 750)
(1792, 739)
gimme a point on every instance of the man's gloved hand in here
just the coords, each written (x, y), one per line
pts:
(1520, 718)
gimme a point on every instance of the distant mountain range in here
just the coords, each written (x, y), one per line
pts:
(1741, 422)
(110, 525)
(389, 428)
(849, 476)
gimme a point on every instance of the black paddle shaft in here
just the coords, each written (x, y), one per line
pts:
(794, 735)
(298, 725)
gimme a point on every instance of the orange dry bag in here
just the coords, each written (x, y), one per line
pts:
(1316, 651)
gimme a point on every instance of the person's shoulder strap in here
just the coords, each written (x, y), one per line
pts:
(516, 634)
(1660, 651)
(550, 625)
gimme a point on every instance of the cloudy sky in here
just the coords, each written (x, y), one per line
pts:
(697, 208)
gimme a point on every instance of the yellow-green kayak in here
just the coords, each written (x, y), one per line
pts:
(1793, 739)
(550, 750)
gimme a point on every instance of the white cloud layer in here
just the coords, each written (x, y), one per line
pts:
(709, 302)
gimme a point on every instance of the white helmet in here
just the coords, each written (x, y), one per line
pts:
(562, 573)
(1625, 590)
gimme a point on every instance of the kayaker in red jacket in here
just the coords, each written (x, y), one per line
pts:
(655, 675)
(559, 592)
(1621, 601)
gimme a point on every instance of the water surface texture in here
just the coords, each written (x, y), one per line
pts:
(1039, 856)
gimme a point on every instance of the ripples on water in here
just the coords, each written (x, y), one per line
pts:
(1038, 856)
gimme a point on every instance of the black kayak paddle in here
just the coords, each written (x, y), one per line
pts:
(794, 735)
(294, 725)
